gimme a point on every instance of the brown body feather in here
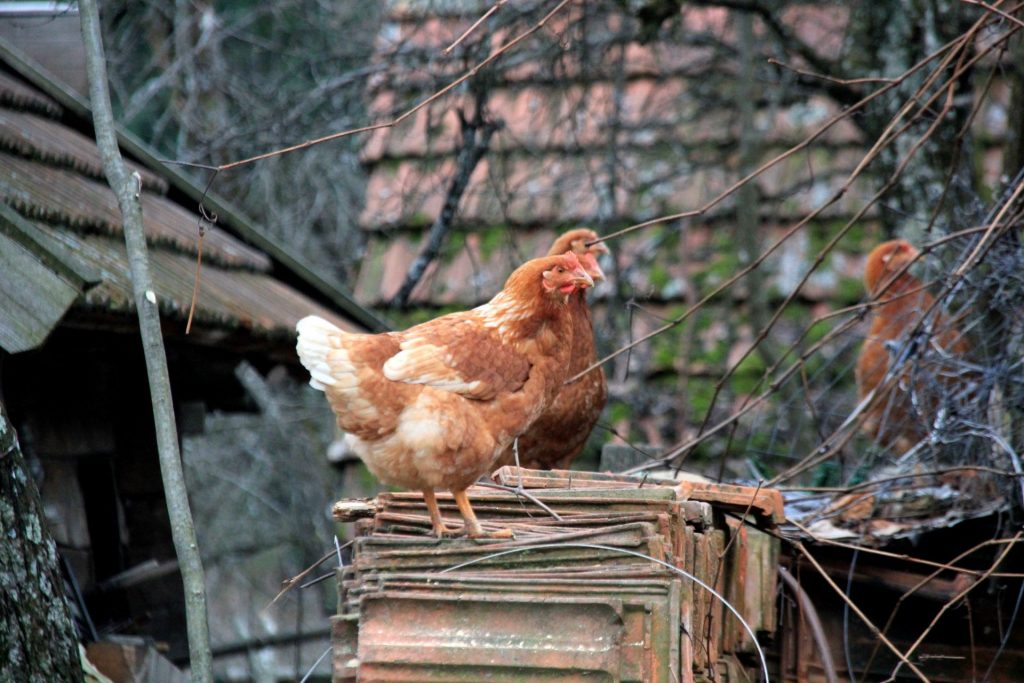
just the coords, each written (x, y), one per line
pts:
(432, 407)
(557, 437)
(893, 418)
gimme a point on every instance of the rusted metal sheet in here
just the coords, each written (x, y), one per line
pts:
(751, 584)
(240, 299)
(33, 298)
(60, 196)
(646, 609)
(545, 614)
(762, 502)
(51, 176)
(494, 634)
(48, 140)
(15, 94)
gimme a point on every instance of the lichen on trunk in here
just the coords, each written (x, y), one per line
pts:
(38, 642)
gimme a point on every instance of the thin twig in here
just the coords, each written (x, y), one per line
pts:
(830, 79)
(995, 10)
(784, 155)
(487, 15)
(857, 610)
(195, 283)
(409, 112)
(899, 477)
(211, 219)
(1007, 633)
(524, 493)
(959, 596)
(925, 581)
(902, 556)
(887, 137)
(291, 583)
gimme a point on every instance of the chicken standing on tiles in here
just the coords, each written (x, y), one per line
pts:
(896, 418)
(560, 433)
(434, 406)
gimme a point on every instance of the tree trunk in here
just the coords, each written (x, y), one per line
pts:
(37, 638)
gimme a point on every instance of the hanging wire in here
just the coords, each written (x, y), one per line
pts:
(846, 616)
(1006, 634)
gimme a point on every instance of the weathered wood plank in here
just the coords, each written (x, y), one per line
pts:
(33, 298)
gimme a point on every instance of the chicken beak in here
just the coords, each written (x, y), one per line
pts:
(593, 268)
(589, 259)
(581, 279)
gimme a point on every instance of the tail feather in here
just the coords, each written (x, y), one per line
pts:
(313, 347)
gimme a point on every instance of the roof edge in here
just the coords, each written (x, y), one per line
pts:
(54, 255)
(237, 222)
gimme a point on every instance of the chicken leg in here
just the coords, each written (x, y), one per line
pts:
(435, 514)
(473, 528)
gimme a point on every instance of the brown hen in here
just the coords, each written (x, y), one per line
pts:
(899, 414)
(433, 407)
(560, 433)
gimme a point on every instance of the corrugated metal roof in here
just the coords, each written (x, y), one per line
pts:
(62, 197)
(16, 95)
(51, 176)
(35, 137)
(229, 298)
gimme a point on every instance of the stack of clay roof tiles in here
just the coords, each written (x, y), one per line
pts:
(575, 598)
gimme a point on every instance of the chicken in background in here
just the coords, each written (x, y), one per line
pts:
(560, 433)
(434, 406)
(894, 419)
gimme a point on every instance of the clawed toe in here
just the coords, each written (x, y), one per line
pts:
(500, 533)
(446, 532)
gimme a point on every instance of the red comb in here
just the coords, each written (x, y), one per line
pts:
(574, 261)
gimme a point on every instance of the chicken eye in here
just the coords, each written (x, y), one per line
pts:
(559, 269)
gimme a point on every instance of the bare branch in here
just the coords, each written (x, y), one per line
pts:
(995, 10)
(402, 117)
(825, 77)
(487, 15)
(857, 610)
(476, 140)
(128, 187)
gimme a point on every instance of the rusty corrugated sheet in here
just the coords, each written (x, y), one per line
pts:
(16, 95)
(43, 139)
(233, 299)
(556, 613)
(71, 201)
(51, 175)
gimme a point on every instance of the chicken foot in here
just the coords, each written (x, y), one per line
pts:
(435, 515)
(473, 528)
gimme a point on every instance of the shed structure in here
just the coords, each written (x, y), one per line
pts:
(72, 374)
